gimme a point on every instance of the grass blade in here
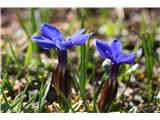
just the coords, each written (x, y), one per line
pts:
(23, 25)
(8, 106)
(29, 103)
(148, 53)
(64, 98)
(31, 45)
(14, 55)
(43, 93)
(28, 54)
(33, 21)
(83, 60)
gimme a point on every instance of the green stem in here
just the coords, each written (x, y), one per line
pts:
(83, 64)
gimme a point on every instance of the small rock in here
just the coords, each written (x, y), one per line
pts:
(138, 98)
(128, 91)
(158, 96)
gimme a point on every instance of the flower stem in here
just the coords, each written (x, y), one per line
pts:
(62, 59)
(109, 90)
(62, 80)
(114, 72)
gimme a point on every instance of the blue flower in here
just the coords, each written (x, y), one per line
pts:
(114, 52)
(51, 37)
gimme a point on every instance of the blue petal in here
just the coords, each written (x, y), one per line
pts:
(125, 58)
(77, 39)
(43, 42)
(51, 32)
(104, 49)
(116, 47)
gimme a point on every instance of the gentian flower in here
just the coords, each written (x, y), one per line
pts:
(117, 57)
(51, 37)
(114, 52)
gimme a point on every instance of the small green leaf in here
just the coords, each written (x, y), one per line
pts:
(29, 103)
(43, 93)
(64, 98)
